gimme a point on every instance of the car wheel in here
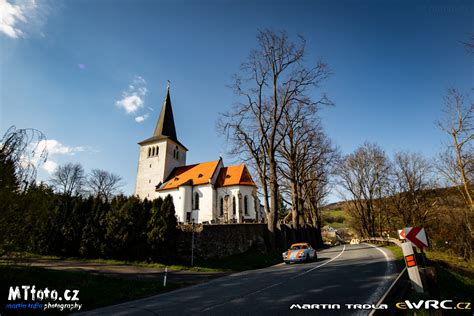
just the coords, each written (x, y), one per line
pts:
(287, 262)
(308, 258)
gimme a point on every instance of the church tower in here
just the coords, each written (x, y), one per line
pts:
(159, 154)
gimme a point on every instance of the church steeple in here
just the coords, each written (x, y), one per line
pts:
(165, 125)
(165, 128)
(160, 154)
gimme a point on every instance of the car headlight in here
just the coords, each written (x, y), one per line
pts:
(302, 254)
(285, 254)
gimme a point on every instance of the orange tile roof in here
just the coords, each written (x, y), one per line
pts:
(195, 174)
(234, 175)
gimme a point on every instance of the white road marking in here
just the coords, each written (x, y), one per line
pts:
(379, 291)
(276, 284)
(321, 265)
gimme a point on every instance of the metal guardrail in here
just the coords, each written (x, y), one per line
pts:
(390, 292)
(397, 287)
(380, 239)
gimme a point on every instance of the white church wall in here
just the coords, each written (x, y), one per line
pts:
(171, 161)
(153, 169)
(206, 203)
(150, 169)
(233, 191)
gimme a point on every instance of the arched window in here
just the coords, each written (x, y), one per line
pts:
(149, 151)
(234, 206)
(246, 206)
(156, 153)
(176, 153)
(196, 201)
(153, 151)
(221, 206)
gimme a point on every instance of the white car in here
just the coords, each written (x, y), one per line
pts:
(300, 252)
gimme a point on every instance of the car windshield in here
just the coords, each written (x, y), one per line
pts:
(298, 247)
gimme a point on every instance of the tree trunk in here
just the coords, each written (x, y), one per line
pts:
(273, 214)
(295, 219)
(461, 169)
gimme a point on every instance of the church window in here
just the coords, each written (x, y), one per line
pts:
(156, 152)
(234, 206)
(176, 153)
(153, 151)
(149, 151)
(221, 206)
(149, 180)
(150, 165)
(196, 201)
(246, 206)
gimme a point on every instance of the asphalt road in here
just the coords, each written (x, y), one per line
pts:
(349, 274)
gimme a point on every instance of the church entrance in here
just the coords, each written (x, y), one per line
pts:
(188, 217)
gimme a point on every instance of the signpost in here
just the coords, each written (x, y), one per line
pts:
(412, 266)
(417, 236)
(413, 236)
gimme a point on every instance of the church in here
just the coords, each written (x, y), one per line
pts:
(206, 192)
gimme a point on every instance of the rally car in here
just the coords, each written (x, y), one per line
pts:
(300, 252)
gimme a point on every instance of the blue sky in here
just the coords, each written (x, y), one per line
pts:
(66, 69)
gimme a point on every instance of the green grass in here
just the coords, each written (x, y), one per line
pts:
(450, 260)
(176, 267)
(249, 260)
(335, 214)
(395, 250)
(453, 285)
(94, 290)
(450, 285)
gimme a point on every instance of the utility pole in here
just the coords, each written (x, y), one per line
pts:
(192, 244)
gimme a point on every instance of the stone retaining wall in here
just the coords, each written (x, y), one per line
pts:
(217, 241)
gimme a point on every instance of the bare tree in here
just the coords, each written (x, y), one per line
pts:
(300, 133)
(459, 124)
(103, 184)
(469, 45)
(316, 176)
(21, 147)
(364, 175)
(412, 177)
(273, 77)
(69, 179)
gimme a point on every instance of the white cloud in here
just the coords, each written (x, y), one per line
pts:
(133, 98)
(130, 103)
(50, 166)
(56, 148)
(17, 17)
(141, 118)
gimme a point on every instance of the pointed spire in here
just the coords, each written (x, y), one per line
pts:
(165, 125)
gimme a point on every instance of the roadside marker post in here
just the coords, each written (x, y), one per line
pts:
(412, 266)
(164, 279)
(192, 246)
(417, 236)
